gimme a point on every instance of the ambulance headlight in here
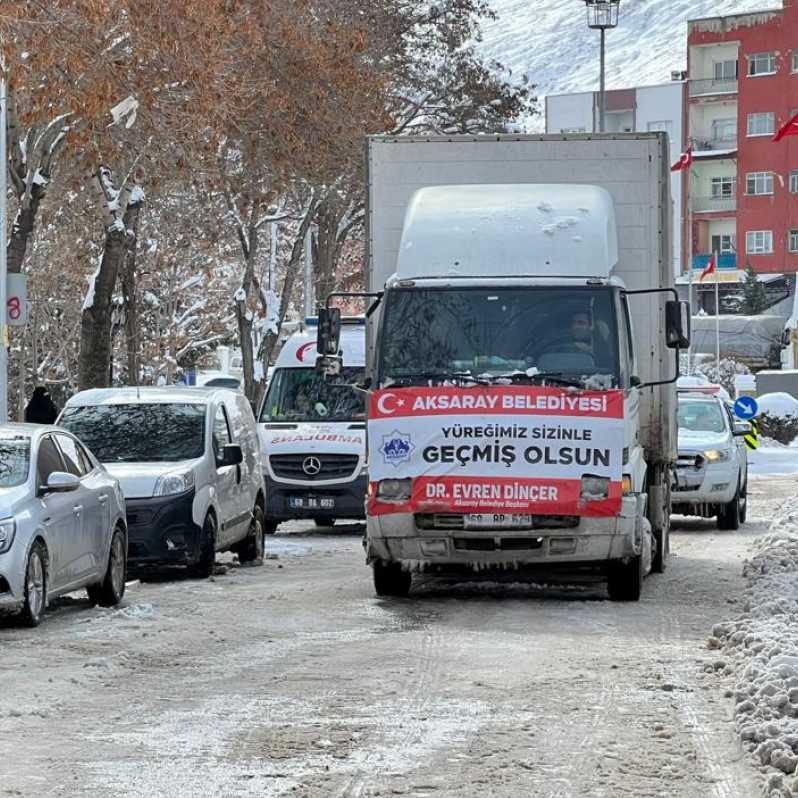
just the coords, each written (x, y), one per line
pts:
(594, 488)
(394, 490)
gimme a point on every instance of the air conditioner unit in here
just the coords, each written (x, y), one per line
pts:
(678, 74)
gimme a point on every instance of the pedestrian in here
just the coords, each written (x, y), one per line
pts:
(41, 409)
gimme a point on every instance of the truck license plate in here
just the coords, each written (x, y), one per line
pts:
(310, 503)
(496, 521)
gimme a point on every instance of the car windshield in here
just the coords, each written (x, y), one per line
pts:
(701, 416)
(14, 460)
(495, 332)
(304, 395)
(139, 433)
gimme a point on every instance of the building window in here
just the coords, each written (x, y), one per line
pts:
(759, 242)
(793, 240)
(795, 61)
(761, 124)
(759, 183)
(794, 181)
(723, 244)
(722, 187)
(725, 70)
(761, 64)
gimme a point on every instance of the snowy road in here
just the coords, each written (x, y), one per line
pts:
(293, 679)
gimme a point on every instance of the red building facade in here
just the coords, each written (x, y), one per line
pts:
(743, 188)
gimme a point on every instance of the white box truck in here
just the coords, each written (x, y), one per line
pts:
(522, 356)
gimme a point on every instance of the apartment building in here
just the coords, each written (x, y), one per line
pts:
(742, 191)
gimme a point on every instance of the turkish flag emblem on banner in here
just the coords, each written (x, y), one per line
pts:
(710, 267)
(685, 161)
(789, 128)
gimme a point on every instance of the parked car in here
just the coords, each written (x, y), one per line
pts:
(712, 469)
(62, 522)
(188, 460)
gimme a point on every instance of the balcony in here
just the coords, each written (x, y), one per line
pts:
(713, 143)
(713, 204)
(708, 86)
(728, 261)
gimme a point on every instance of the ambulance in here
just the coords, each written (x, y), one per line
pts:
(313, 432)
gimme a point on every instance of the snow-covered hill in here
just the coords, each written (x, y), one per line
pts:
(550, 41)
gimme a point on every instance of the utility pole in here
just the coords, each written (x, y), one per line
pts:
(3, 249)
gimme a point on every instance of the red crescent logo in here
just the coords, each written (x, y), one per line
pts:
(300, 353)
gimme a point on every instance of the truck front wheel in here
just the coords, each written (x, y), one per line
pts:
(391, 580)
(625, 579)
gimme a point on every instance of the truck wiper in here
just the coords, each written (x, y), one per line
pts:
(555, 377)
(459, 377)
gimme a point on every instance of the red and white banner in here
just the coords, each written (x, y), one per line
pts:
(503, 449)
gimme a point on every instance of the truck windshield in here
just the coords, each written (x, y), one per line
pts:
(486, 333)
(304, 395)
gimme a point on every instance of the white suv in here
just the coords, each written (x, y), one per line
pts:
(188, 461)
(712, 470)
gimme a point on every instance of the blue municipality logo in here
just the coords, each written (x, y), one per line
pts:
(396, 448)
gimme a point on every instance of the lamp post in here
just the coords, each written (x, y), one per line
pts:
(602, 15)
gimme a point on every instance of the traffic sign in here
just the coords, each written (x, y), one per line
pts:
(746, 408)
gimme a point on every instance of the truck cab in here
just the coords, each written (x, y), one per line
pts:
(313, 432)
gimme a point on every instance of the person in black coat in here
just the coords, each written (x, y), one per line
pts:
(41, 409)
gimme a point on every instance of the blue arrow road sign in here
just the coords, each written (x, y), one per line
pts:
(746, 407)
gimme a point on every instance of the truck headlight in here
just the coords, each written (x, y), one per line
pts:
(176, 482)
(394, 490)
(716, 455)
(594, 488)
(8, 529)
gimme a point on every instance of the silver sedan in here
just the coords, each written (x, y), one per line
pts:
(62, 522)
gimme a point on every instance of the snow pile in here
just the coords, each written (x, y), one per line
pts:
(778, 404)
(763, 645)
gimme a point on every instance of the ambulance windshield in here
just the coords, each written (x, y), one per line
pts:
(494, 333)
(301, 394)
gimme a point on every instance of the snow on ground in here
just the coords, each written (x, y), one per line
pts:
(762, 646)
(773, 458)
(778, 404)
(552, 43)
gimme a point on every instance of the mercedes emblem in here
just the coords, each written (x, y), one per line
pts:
(311, 466)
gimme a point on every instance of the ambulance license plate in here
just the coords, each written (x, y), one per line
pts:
(311, 503)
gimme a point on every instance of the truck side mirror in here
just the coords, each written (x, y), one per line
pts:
(329, 365)
(677, 324)
(328, 337)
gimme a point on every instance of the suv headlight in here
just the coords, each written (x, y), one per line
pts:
(394, 490)
(176, 482)
(716, 455)
(8, 529)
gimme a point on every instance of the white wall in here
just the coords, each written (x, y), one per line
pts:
(569, 112)
(664, 104)
(703, 56)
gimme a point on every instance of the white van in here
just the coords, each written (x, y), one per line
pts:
(188, 462)
(313, 432)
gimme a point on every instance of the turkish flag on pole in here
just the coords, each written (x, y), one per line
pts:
(685, 161)
(710, 269)
(789, 128)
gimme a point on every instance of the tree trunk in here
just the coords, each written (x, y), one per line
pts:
(326, 250)
(244, 315)
(131, 302)
(21, 232)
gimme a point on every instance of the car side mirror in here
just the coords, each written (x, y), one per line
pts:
(677, 324)
(742, 428)
(231, 455)
(60, 482)
(328, 337)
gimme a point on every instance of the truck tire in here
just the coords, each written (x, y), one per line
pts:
(661, 527)
(729, 515)
(625, 580)
(391, 580)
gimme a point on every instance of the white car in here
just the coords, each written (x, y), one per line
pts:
(189, 463)
(712, 471)
(62, 522)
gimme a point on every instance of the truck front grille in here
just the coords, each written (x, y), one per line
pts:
(498, 544)
(313, 467)
(457, 521)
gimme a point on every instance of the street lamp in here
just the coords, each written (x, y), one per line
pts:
(602, 15)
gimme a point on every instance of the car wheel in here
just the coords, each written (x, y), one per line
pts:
(35, 590)
(111, 590)
(729, 515)
(324, 521)
(391, 580)
(625, 580)
(203, 568)
(744, 503)
(251, 547)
